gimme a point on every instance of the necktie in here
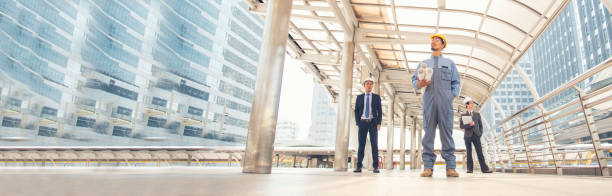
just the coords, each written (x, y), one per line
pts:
(367, 112)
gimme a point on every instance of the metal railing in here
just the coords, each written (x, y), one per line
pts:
(564, 137)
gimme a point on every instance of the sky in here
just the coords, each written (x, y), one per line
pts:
(296, 96)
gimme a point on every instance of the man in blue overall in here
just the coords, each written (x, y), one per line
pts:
(438, 106)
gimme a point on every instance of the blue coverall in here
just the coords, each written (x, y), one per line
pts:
(438, 109)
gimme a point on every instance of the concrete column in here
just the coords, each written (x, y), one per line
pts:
(389, 155)
(354, 143)
(413, 159)
(376, 88)
(262, 125)
(349, 122)
(403, 141)
(344, 105)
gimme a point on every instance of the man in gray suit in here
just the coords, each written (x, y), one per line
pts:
(473, 131)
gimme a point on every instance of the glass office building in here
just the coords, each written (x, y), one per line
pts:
(127, 72)
(323, 116)
(511, 95)
(577, 40)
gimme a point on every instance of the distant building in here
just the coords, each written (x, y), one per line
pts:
(323, 117)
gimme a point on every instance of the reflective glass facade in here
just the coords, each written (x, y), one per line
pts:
(575, 42)
(127, 72)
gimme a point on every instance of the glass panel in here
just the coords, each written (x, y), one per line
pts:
(123, 72)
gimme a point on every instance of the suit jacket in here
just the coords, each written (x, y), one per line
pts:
(376, 109)
(469, 130)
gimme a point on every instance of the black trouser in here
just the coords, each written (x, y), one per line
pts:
(364, 129)
(468, 146)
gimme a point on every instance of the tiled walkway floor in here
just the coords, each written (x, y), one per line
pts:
(285, 181)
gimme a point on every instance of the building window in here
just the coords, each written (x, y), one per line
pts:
(159, 102)
(233, 105)
(195, 111)
(124, 111)
(11, 122)
(238, 77)
(156, 122)
(188, 90)
(192, 131)
(47, 111)
(47, 131)
(85, 122)
(121, 131)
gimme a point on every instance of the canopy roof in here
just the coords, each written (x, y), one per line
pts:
(485, 38)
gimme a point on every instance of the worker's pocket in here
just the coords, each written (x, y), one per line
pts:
(446, 75)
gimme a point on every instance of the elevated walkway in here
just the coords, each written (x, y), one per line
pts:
(230, 181)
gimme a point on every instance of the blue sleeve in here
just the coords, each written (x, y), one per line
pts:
(455, 80)
(415, 78)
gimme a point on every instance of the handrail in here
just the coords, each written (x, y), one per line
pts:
(570, 84)
(527, 146)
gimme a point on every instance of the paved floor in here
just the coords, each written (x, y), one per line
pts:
(285, 181)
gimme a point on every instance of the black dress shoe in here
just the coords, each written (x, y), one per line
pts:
(488, 171)
(470, 171)
(376, 170)
(358, 170)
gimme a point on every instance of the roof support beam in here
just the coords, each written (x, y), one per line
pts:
(262, 8)
(417, 38)
(439, 9)
(351, 28)
(303, 17)
(482, 19)
(321, 59)
(447, 53)
(434, 28)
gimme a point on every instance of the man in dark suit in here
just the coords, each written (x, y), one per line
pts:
(368, 116)
(473, 131)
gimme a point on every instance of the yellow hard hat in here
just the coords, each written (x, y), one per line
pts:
(440, 36)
